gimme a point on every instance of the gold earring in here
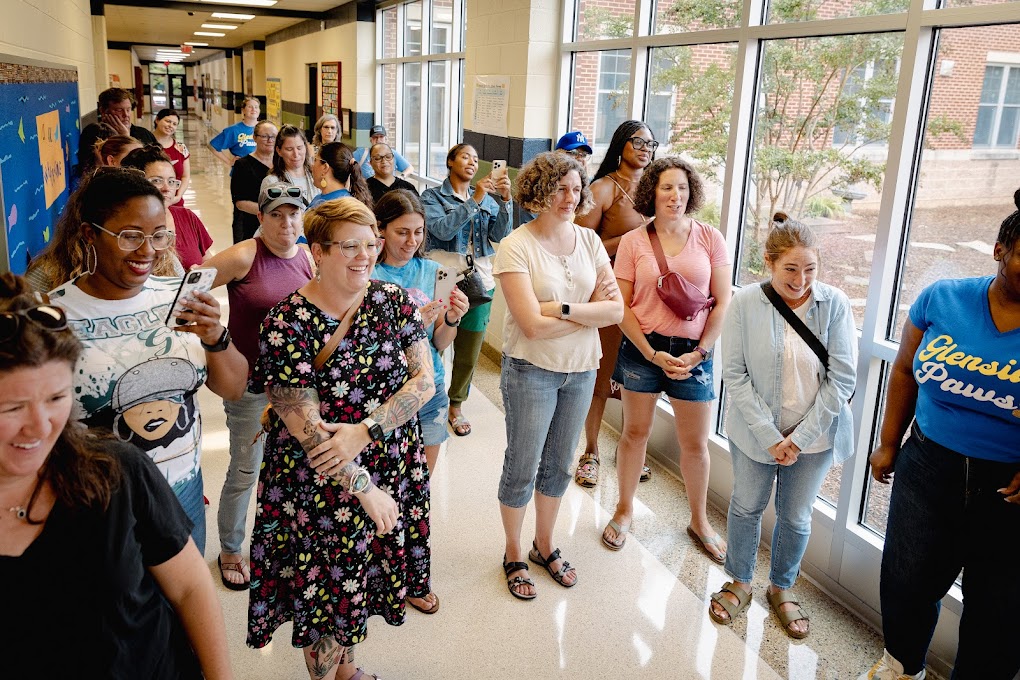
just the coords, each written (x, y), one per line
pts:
(322, 183)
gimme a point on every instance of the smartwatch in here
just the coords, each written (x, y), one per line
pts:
(220, 344)
(359, 482)
(375, 430)
(706, 354)
(564, 310)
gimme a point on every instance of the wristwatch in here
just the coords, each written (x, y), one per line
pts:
(359, 481)
(220, 344)
(375, 430)
(564, 310)
(706, 354)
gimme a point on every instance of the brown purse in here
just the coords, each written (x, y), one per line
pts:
(684, 298)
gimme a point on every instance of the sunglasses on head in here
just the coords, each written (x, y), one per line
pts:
(277, 192)
(49, 317)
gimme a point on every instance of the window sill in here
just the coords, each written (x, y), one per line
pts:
(994, 155)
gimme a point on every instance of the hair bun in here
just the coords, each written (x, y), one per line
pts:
(780, 217)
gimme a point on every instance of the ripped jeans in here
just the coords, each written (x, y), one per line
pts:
(637, 374)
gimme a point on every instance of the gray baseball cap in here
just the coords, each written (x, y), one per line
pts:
(275, 195)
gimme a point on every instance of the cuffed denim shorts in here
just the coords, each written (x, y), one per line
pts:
(637, 374)
(433, 418)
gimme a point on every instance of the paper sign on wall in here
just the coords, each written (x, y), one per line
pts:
(274, 99)
(491, 99)
(51, 155)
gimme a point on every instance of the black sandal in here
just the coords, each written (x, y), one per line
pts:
(536, 557)
(517, 581)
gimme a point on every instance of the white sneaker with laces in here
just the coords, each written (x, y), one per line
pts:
(889, 669)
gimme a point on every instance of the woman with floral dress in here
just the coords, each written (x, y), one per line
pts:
(342, 524)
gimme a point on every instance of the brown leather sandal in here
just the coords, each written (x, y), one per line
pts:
(587, 473)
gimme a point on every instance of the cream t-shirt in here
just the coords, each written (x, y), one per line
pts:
(801, 380)
(566, 278)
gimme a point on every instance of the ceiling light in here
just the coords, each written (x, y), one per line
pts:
(250, 3)
(225, 27)
(233, 17)
(197, 44)
(210, 35)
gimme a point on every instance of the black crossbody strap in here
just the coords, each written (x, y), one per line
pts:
(795, 322)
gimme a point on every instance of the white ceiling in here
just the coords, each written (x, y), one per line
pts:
(172, 27)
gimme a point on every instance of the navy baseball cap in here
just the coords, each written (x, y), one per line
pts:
(573, 140)
(377, 130)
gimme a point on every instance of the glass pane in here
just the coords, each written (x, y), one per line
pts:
(991, 84)
(1012, 87)
(798, 168)
(389, 33)
(694, 121)
(412, 29)
(604, 19)
(786, 11)
(157, 87)
(1007, 127)
(876, 496)
(969, 3)
(442, 26)
(439, 118)
(960, 198)
(599, 97)
(683, 16)
(388, 114)
(157, 68)
(410, 117)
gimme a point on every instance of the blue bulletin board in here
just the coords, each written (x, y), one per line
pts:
(39, 131)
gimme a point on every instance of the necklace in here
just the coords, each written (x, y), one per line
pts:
(799, 301)
(21, 511)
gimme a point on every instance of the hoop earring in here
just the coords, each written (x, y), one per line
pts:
(91, 249)
(619, 160)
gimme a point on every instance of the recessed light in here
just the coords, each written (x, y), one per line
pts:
(225, 27)
(250, 3)
(233, 17)
(210, 35)
(197, 44)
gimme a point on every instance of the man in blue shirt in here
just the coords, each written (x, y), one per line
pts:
(237, 140)
(377, 135)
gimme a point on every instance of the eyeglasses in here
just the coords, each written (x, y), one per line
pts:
(351, 247)
(278, 191)
(581, 154)
(132, 239)
(158, 182)
(380, 159)
(266, 138)
(49, 317)
(640, 143)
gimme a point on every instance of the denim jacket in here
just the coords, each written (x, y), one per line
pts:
(752, 343)
(449, 218)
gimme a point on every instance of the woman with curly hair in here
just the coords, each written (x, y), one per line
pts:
(661, 350)
(559, 288)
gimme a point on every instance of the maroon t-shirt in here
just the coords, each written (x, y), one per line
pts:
(193, 240)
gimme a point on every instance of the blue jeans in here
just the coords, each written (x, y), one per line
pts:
(545, 413)
(946, 515)
(191, 495)
(433, 417)
(797, 486)
(243, 422)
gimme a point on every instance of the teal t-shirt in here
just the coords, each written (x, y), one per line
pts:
(967, 371)
(418, 278)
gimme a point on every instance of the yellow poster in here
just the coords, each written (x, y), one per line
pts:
(274, 99)
(51, 155)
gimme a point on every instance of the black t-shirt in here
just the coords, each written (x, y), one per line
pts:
(378, 188)
(93, 133)
(80, 602)
(245, 182)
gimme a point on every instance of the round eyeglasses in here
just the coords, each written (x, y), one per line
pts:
(132, 239)
(351, 247)
(380, 159)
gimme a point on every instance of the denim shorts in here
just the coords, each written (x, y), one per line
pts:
(433, 418)
(637, 374)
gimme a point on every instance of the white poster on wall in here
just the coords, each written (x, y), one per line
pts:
(492, 97)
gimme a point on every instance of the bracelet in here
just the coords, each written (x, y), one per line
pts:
(446, 320)
(652, 360)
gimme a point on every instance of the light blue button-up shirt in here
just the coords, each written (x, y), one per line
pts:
(753, 340)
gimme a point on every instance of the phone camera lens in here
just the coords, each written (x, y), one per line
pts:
(193, 278)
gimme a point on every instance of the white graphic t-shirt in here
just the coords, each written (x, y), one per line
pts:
(137, 377)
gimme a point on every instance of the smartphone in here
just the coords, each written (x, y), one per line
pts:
(197, 279)
(498, 169)
(446, 281)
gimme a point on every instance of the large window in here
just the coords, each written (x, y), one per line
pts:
(420, 63)
(998, 117)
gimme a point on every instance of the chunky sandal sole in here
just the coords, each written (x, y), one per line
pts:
(584, 480)
(733, 610)
(780, 598)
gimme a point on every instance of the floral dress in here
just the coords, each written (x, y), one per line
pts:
(315, 556)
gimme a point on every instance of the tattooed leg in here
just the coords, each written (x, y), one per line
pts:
(322, 657)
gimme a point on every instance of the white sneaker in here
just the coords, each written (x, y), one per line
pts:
(889, 669)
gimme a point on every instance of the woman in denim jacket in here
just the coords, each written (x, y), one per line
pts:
(789, 421)
(452, 211)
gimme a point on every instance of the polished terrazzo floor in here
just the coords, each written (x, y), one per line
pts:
(638, 613)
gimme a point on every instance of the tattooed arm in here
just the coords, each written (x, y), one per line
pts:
(299, 410)
(416, 392)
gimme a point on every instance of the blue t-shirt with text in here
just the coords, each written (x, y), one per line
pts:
(238, 139)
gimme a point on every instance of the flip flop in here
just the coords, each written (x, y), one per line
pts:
(705, 541)
(233, 566)
(733, 610)
(776, 599)
(423, 610)
(461, 426)
(620, 531)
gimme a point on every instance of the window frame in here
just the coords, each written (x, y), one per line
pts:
(1000, 104)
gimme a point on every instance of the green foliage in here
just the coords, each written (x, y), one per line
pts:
(824, 206)
(709, 214)
(599, 22)
(695, 14)
(943, 125)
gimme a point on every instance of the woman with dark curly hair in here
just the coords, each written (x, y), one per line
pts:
(559, 289)
(663, 351)
(613, 215)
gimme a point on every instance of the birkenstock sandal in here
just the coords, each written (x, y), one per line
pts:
(620, 532)
(780, 597)
(704, 541)
(560, 574)
(732, 609)
(587, 473)
(516, 581)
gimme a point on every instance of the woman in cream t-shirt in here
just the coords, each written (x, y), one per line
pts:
(559, 288)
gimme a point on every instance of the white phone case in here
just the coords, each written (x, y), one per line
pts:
(197, 279)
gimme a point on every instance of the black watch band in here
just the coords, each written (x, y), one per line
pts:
(221, 344)
(446, 320)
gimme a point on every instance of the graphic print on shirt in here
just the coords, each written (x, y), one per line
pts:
(931, 365)
(154, 403)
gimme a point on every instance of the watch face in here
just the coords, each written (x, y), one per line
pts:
(375, 431)
(360, 481)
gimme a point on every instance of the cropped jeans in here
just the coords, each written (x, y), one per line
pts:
(945, 514)
(545, 413)
(191, 495)
(244, 424)
(797, 486)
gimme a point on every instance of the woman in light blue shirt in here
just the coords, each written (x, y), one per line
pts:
(789, 420)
